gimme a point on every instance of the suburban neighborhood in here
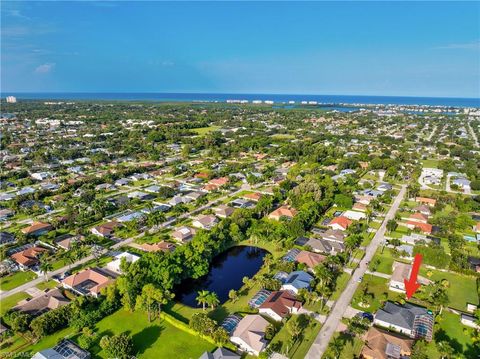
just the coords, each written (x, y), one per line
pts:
(238, 230)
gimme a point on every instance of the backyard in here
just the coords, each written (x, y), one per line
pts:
(157, 339)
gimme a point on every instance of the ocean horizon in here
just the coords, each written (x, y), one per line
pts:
(223, 97)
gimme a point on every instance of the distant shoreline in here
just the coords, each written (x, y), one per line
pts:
(271, 99)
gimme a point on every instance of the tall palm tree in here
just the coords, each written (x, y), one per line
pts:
(202, 298)
(45, 267)
(212, 299)
(69, 257)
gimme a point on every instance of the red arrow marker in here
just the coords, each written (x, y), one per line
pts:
(411, 284)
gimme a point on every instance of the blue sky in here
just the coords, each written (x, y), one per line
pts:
(359, 48)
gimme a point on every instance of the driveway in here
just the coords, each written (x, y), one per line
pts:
(320, 343)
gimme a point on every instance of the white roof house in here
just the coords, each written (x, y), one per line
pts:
(114, 265)
(354, 215)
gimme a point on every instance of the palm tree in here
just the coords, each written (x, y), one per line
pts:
(213, 300)
(233, 295)
(202, 298)
(445, 349)
(69, 257)
(45, 267)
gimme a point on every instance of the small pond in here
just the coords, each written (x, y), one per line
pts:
(226, 273)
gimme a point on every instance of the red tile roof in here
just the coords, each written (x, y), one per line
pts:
(342, 221)
(29, 256)
(281, 303)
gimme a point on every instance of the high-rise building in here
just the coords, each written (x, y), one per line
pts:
(11, 99)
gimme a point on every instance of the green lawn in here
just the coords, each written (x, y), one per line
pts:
(300, 348)
(204, 130)
(449, 328)
(157, 339)
(44, 285)
(378, 287)
(342, 281)
(283, 136)
(385, 261)
(430, 163)
(462, 289)
(11, 301)
(16, 279)
(351, 348)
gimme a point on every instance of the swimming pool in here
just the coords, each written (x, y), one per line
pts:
(259, 298)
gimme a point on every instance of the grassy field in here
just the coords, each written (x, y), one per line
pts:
(283, 136)
(430, 163)
(462, 289)
(449, 328)
(16, 279)
(157, 339)
(205, 130)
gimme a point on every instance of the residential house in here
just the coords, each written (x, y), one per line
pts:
(28, 258)
(359, 207)
(5, 213)
(365, 200)
(340, 223)
(6, 238)
(400, 272)
(254, 196)
(418, 217)
(183, 234)
(462, 183)
(469, 321)
(411, 320)
(66, 241)
(242, 203)
(156, 247)
(279, 304)
(139, 195)
(321, 245)
(223, 211)
(423, 227)
(114, 265)
(65, 349)
(425, 200)
(283, 212)
(87, 282)
(179, 200)
(45, 301)
(249, 334)
(220, 353)
(423, 209)
(297, 280)
(380, 344)
(106, 229)
(354, 215)
(195, 195)
(37, 229)
(311, 260)
(204, 221)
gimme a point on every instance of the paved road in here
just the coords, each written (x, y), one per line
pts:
(320, 343)
(125, 242)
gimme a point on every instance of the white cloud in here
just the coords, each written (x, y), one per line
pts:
(473, 45)
(45, 68)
